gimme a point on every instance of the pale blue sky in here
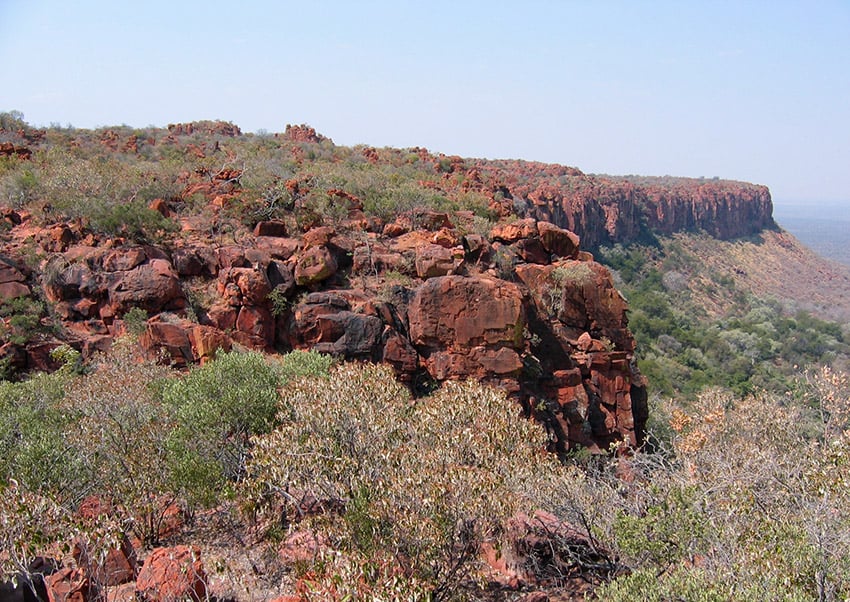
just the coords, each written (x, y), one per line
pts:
(755, 91)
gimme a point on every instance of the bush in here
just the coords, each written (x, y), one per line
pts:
(119, 432)
(751, 499)
(33, 447)
(423, 482)
(217, 408)
(133, 220)
(304, 363)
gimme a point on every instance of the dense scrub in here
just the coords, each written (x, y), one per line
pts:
(695, 328)
(740, 499)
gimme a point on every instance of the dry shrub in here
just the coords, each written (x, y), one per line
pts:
(751, 502)
(422, 483)
(119, 431)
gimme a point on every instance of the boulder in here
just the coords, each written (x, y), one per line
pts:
(195, 261)
(273, 228)
(9, 272)
(314, 265)
(69, 585)
(121, 260)
(170, 574)
(253, 284)
(170, 337)
(558, 241)
(325, 323)
(62, 281)
(152, 286)
(12, 290)
(434, 260)
(468, 327)
(513, 231)
(206, 341)
(458, 312)
(258, 324)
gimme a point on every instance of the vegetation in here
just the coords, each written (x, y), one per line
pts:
(750, 344)
(740, 499)
(740, 493)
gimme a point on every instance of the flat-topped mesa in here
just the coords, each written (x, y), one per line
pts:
(605, 210)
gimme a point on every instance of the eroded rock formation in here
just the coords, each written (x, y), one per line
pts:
(522, 308)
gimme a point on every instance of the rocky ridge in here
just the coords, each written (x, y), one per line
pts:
(428, 291)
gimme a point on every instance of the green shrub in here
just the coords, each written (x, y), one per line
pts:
(24, 319)
(134, 220)
(217, 408)
(300, 363)
(33, 448)
(136, 320)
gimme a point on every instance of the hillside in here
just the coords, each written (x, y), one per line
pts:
(285, 369)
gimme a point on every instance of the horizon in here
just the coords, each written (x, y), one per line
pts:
(752, 92)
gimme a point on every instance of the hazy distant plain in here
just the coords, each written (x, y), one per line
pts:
(824, 228)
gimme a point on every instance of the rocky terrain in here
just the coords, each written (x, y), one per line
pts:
(441, 267)
(433, 293)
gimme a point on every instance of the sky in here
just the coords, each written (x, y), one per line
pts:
(748, 90)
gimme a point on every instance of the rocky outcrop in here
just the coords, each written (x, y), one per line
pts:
(522, 308)
(302, 265)
(217, 128)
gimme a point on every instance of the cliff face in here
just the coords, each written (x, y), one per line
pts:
(604, 209)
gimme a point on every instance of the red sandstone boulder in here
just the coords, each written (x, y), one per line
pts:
(258, 324)
(434, 260)
(64, 281)
(121, 260)
(253, 284)
(558, 241)
(9, 272)
(160, 206)
(206, 341)
(170, 574)
(223, 316)
(325, 323)
(277, 247)
(273, 228)
(69, 585)
(195, 261)
(467, 326)
(152, 286)
(167, 336)
(454, 311)
(318, 237)
(513, 231)
(582, 297)
(11, 290)
(314, 265)
(376, 258)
